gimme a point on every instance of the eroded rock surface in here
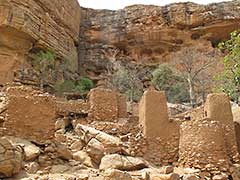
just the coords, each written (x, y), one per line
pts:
(27, 25)
(153, 34)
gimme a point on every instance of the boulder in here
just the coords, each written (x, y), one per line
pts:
(167, 169)
(77, 146)
(31, 151)
(95, 149)
(59, 169)
(111, 144)
(125, 163)
(64, 152)
(83, 157)
(32, 167)
(113, 174)
(172, 176)
(10, 158)
(220, 177)
(190, 177)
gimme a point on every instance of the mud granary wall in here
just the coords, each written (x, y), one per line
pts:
(29, 114)
(162, 134)
(213, 129)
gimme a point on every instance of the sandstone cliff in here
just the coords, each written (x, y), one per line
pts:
(152, 34)
(31, 24)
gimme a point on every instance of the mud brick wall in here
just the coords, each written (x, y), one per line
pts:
(103, 104)
(162, 135)
(122, 106)
(30, 116)
(78, 106)
(153, 115)
(106, 105)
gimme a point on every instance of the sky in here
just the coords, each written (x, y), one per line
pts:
(119, 4)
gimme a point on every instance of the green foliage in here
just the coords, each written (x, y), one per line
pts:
(44, 63)
(83, 86)
(165, 79)
(128, 83)
(229, 80)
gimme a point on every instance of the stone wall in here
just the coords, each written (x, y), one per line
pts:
(29, 114)
(68, 107)
(202, 145)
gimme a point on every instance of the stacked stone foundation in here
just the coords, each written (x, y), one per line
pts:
(202, 145)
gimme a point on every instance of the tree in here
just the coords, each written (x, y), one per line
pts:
(123, 78)
(164, 78)
(191, 62)
(229, 80)
(127, 82)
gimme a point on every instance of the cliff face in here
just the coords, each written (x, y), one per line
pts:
(152, 34)
(26, 25)
(144, 34)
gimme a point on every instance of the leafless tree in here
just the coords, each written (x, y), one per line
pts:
(120, 77)
(191, 63)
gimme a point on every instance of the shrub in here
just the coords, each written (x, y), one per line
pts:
(83, 86)
(66, 86)
(128, 83)
(165, 79)
(43, 63)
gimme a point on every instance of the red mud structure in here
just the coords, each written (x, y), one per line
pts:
(153, 115)
(29, 114)
(208, 141)
(218, 108)
(162, 135)
(106, 105)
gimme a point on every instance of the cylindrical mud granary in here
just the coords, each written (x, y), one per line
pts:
(202, 145)
(218, 108)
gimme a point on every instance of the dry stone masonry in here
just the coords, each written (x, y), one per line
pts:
(207, 140)
(202, 146)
